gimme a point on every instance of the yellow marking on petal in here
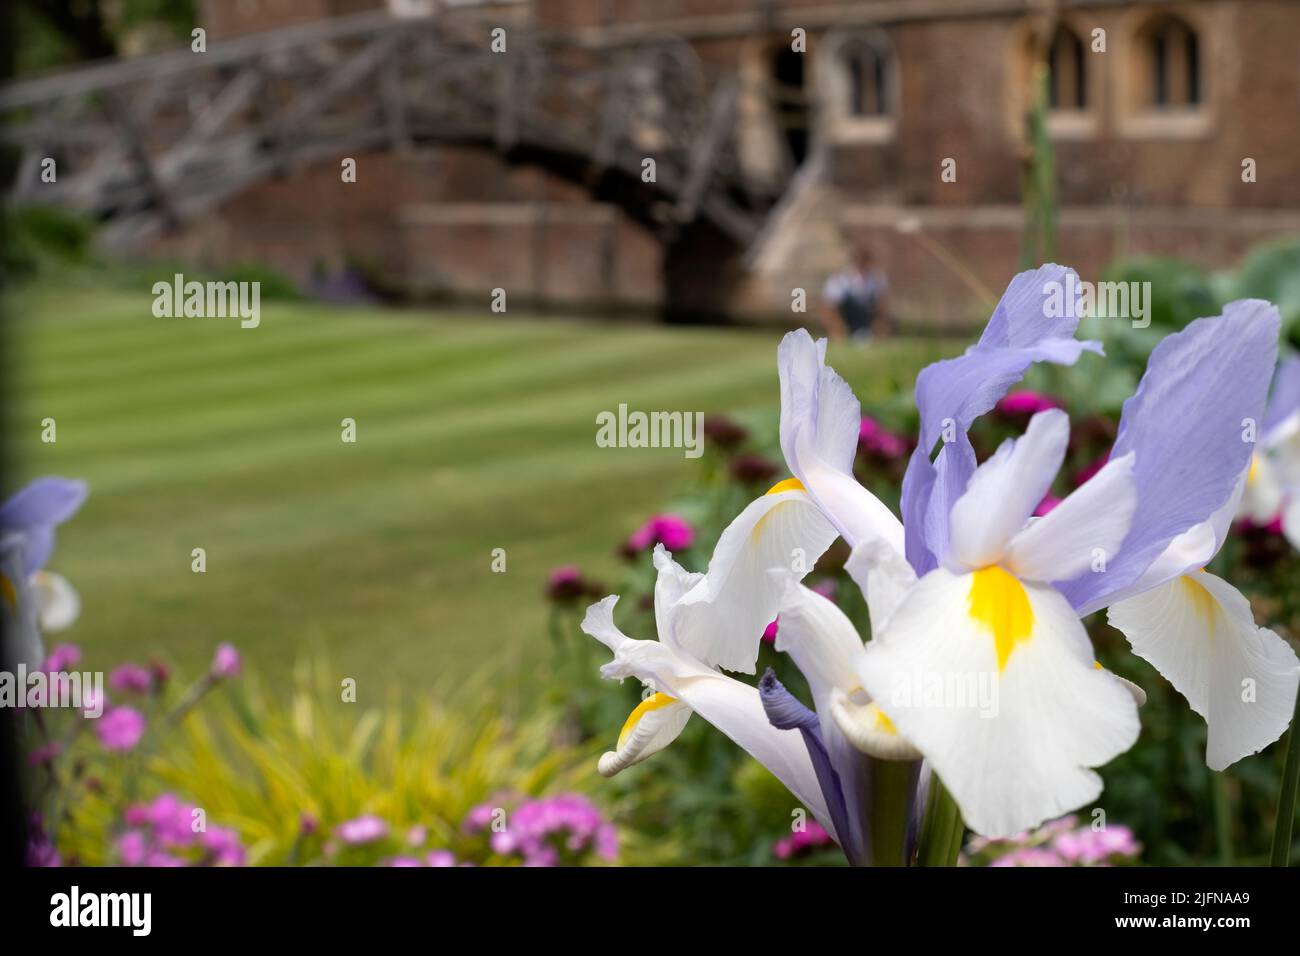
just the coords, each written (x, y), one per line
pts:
(653, 702)
(10, 594)
(790, 484)
(1203, 604)
(1253, 475)
(999, 602)
(884, 723)
(1097, 666)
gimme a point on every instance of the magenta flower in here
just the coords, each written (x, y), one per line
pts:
(554, 830)
(44, 754)
(62, 658)
(769, 633)
(362, 830)
(131, 678)
(479, 817)
(875, 438)
(801, 841)
(162, 833)
(1049, 502)
(1090, 470)
(670, 530)
(223, 846)
(1027, 403)
(1087, 846)
(132, 848)
(1029, 856)
(226, 661)
(120, 728)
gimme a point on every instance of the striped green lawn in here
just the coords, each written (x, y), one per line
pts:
(475, 432)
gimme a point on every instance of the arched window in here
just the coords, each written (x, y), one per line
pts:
(1172, 64)
(1067, 87)
(866, 68)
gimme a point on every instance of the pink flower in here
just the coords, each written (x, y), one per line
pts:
(1027, 403)
(1088, 846)
(120, 728)
(132, 848)
(1049, 502)
(826, 588)
(879, 440)
(440, 858)
(769, 634)
(670, 530)
(224, 846)
(362, 830)
(812, 835)
(1029, 856)
(401, 861)
(44, 754)
(131, 678)
(62, 658)
(479, 817)
(1090, 470)
(226, 661)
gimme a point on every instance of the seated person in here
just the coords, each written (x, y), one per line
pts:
(855, 300)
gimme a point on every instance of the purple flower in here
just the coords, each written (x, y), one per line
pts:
(670, 530)
(131, 678)
(801, 841)
(226, 661)
(44, 754)
(567, 584)
(362, 830)
(554, 830)
(40, 851)
(479, 817)
(753, 469)
(724, 432)
(132, 848)
(35, 510)
(876, 439)
(1088, 846)
(120, 728)
(440, 858)
(62, 658)
(1029, 856)
(223, 846)
(1089, 470)
(1049, 502)
(1027, 403)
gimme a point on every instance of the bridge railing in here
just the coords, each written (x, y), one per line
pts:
(150, 142)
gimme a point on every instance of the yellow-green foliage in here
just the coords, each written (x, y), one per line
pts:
(259, 758)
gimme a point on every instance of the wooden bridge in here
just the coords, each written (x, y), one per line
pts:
(149, 143)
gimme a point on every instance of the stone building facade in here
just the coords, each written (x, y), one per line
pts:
(1173, 126)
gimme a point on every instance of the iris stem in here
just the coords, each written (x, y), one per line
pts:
(1222, 801)
(1286, 799)
(942, 828)
(891, 799)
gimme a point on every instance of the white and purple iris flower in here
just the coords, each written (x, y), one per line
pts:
(33, 599)
(979, 669)
(1272, 493)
